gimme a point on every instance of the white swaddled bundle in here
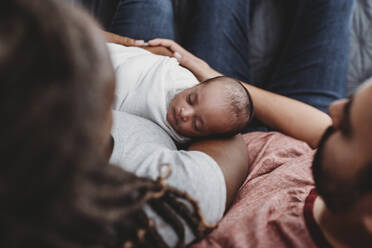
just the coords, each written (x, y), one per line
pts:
(146, 83)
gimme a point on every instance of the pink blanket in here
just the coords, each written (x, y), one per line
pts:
(268, 210)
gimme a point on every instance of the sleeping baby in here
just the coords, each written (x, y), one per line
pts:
(157, 88)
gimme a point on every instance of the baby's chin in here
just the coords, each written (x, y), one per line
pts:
(184, 133)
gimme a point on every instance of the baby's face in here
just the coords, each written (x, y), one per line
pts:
(201, 111)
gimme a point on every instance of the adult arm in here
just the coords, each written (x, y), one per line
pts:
(231, 156)
(292, 117)
(281, 113)
(289, 116)
(122, 40)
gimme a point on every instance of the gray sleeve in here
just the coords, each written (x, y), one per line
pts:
(141, 147)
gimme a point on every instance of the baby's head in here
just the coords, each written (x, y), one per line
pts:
(219, 106)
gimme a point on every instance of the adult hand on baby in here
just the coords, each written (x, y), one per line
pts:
(197, 66)
(126, 41)
(159, 50)
(123, 40)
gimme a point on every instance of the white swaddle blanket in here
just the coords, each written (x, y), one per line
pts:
(146, 83)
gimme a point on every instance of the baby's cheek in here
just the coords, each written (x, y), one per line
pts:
(185, 130)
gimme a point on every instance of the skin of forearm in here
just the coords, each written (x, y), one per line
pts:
(201, 70)
(117, 39)
(289, 116)
(110, 37)
(231, 156)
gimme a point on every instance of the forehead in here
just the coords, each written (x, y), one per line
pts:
(215, 108)
(213, 95)
(212, 90)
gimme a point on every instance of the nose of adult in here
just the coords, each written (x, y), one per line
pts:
(336, 112)
(186, 113)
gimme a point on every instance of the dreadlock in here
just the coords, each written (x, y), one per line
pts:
(56, 189)
(120, 203)
(103, 207)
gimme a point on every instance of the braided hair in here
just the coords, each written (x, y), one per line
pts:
(56, 189)
(103, 207)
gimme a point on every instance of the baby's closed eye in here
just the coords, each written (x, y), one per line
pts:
(198, 124)
(192, 98)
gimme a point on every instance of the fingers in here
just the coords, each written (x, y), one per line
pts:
(159, 50)
(123, 40)
(172, 45)
(140, 43)
(178, 56)
(154, 42)
(159, 41)
(178, 51)
(132, 42)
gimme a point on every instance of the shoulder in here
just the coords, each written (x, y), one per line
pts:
(137, 140)
(142, 147)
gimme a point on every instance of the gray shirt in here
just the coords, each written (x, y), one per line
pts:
(141, 146)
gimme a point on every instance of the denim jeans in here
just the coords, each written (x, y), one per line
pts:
(144, 19)
(311, 68)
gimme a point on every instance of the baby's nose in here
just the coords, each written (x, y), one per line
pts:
(186, 113)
